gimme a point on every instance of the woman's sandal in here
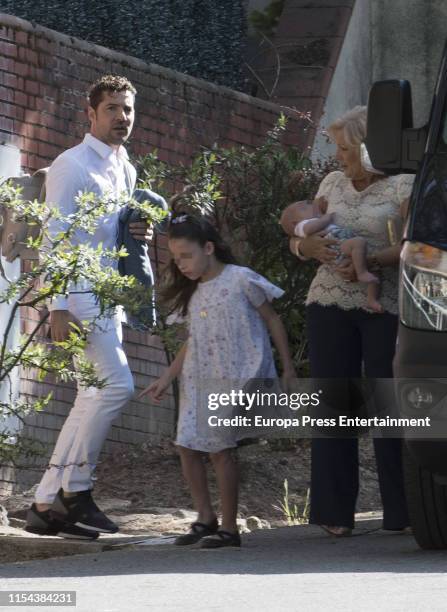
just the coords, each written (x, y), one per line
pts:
(196, 533)
(338, 532)
(220, 539)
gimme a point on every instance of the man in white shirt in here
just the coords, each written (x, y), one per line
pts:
(63, 503)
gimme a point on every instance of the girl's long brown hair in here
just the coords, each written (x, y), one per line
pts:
(177, 289)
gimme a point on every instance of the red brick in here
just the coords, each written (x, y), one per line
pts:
(48, 91)
(79, 130)
(80, 116)
(48, 120)
(48, 150)
(48, 106)
(12, 80)
(24, 162)
(8, 49)
(6, 125)
(15, 112)
(178, 104)
(21, 37)
(60, 139)
(36, 162)
(47, 46)
(41, 133)
(20, 98)
(32, 87)
(28, 130)
(30, 145)
(6, 94)
(27, 55)
(21, 69)
(7, 64)
(168, 143)
(32, 116)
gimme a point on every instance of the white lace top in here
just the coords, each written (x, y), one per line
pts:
(366, 213)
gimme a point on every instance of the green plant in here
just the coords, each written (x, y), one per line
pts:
(267, 20)
(292, 513)
(244, 192)
(60, 263)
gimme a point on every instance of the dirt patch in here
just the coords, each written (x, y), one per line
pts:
(152, 477)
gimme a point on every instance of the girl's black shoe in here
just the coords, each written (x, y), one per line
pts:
(220, 539)
(197, 532)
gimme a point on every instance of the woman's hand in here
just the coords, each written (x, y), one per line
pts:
(321, 204)
(346, 270)
(157, 389)
(318, 247)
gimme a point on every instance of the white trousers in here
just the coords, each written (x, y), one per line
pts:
(86, 427)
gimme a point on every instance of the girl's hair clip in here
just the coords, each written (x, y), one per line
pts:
(180, 219)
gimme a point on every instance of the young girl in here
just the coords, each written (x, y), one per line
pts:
(228, 311)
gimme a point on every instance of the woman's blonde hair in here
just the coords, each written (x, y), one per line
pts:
(352, 124)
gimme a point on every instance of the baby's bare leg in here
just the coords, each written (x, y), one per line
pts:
(373, 294)
(356, 249)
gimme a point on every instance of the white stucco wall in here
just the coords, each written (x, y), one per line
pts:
(386, 39)
(352, 77)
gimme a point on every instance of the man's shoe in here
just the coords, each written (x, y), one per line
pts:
(42, 523)
(196, 533)
(81, 510)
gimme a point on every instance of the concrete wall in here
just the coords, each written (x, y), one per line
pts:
(387, 39)
(408, 39)
(352, 76)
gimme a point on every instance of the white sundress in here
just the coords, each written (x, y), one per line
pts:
(228, 341)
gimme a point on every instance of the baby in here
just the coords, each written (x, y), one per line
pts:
(310, 221)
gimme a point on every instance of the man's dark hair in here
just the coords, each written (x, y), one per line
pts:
(108, 82)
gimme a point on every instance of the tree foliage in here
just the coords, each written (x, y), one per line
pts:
(244, 191)
(60, 264)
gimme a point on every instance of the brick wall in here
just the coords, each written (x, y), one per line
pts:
(43, 79)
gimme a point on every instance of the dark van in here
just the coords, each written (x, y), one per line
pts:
(420, 367)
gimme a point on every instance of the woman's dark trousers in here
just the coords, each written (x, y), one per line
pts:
(339, 341)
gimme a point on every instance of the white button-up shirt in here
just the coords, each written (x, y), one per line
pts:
(91, 166)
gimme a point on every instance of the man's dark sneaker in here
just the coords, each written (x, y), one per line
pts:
(81, 510)
(42, 523)
(196, 533)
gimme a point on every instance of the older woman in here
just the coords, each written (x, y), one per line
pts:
(344, 336)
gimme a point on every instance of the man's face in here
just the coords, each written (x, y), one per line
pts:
(112, 121)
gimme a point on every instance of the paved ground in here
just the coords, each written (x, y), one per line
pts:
(295, 568)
